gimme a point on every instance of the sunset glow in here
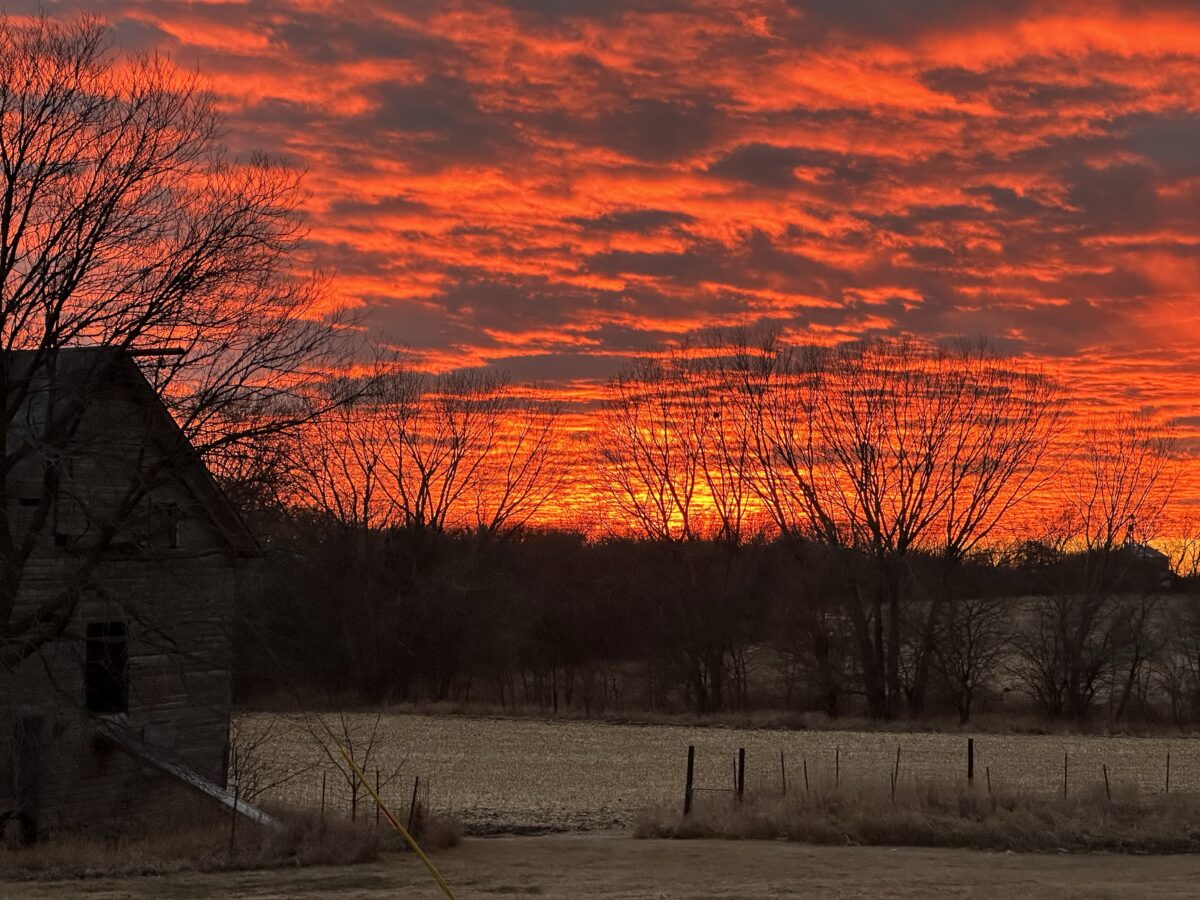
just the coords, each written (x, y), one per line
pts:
(552, 187)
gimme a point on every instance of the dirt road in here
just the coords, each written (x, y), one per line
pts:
(593, 867)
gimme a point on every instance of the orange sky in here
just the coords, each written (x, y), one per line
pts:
(551, 186)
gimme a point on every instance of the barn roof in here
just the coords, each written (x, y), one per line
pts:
(81, 373)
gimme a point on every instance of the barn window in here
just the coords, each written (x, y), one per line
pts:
(106, 673)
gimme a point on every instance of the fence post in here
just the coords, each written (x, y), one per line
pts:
(1064, 774)
(687, 791)
(837, 766)
(1168, 784)
(741, 775)
(896, 772)
(376, 796)
(970, 762)
(1107, 789)
(412, 804)
(806, 774)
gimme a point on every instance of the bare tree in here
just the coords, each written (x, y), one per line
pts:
(892, 446)
(650, 466)
(259, 763)
(339, 466)
(674, 451)
(971, 646)
(125, 225)
(527, 468)
(1120, 483)
(1116, 488)
(467, 450)
(674, 459)
(363, 739)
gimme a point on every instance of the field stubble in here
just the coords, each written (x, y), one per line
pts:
(502, 775)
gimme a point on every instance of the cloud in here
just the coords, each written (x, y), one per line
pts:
(635, 221)
(561, 184)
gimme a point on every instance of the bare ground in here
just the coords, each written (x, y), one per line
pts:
(593, 867)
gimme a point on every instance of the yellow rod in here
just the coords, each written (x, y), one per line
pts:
(396, 824)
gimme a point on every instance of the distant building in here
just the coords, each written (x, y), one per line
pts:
(1154, 565)
(137, 552)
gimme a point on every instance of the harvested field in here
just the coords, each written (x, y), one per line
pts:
(513, 775)
(615, 868)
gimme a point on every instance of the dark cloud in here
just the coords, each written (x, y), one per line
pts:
(632, 221)
(890, 19)
(658, 130)
(1009, 203)
(586, 9)
(831, 177)
(696, 264)
(358, 207)
(324, 39)
(1021, 88)
(1118, 198)
(565, 366)
(1171, 142)
(765, 165)
(442, 119)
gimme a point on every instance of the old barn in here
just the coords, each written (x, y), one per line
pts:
(120, 562)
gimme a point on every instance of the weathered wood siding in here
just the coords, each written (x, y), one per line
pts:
(176, 603)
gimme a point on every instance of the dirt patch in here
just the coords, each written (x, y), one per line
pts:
(595, 867)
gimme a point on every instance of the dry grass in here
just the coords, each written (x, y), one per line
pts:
(440, 833)
(935, 816)
(203, 844)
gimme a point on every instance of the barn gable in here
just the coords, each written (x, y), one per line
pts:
(149, 549)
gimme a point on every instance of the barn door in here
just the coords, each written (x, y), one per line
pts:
(28, 743)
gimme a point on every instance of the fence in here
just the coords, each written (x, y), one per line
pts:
(829, 774)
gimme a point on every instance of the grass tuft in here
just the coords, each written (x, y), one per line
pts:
(202, 843)
(934, 816)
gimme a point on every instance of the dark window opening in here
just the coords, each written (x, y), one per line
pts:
(106, 673)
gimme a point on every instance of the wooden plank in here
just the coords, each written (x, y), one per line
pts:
(131, 745)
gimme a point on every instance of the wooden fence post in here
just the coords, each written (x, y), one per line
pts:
(1107, 789)
(412, 804)
(741, 774)
(896, 772)
(837, 766)
(1064, 774)
(806, 774)
(687, 791)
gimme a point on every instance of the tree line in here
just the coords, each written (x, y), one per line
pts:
(888, 527)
